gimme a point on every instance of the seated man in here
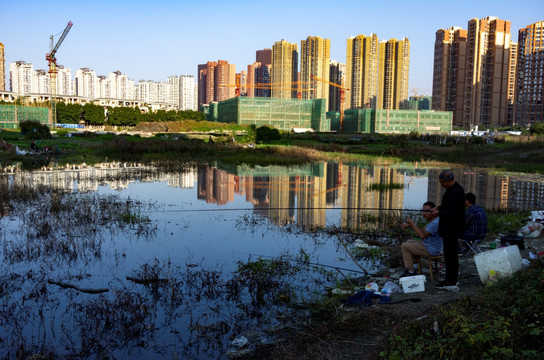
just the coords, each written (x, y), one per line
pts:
(431, 245)
(475, 221)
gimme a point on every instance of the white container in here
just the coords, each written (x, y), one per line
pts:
(412, 284)
(505, 261)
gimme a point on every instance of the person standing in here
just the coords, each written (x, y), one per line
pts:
(431, 244)
(450, 227)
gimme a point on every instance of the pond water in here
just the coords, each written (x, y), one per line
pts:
(122, 260)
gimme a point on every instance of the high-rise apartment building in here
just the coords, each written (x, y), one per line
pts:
(284, 70)
(393, 69)
(121, 86)
(20, 77)
(173, 91)
(225, 74)
(337, 73)
(264, 56)
(86, 83)
(530, 75)
(487, 72)
(216, 81)
(2, 68)
(362, 72)
(314, 61)
(450, 50)
(65, 84)
(187, 93)
(41, 83)
(473, 73)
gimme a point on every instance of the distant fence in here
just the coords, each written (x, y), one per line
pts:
(70, 126)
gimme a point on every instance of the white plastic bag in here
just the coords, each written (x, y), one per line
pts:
(391, 288)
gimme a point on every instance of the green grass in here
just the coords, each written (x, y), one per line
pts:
(503, 321)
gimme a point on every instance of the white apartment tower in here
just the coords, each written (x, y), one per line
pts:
(86, 83)
(121, 86)
(20, 74)
(187, 93)
(173, 91)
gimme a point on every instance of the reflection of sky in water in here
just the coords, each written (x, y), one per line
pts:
(415, 192)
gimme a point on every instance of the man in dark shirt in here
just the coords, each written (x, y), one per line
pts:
(450, 227)
(475, 220)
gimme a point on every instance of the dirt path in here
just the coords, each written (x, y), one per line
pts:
(360, 333)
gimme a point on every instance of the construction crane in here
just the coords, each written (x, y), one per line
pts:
(342, 90)
(52, 59)
(268, 86)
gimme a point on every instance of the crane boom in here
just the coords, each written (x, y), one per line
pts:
(51, 56)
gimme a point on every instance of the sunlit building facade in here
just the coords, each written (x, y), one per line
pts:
(314, 62)
(362, 71)
(530, 75)
(284, 74)
(393, 71)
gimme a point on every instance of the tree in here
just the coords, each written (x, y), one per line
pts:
(93, 114)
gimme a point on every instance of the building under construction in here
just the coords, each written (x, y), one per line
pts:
(12, 115)
(283, 114)
(372, 121)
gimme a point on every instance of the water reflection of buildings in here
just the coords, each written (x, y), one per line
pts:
(298, 194)
(359, 193)
(494, 191)
(304, 194)
(87, 179)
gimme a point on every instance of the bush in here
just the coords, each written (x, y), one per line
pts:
(32, 129)
(265, 134)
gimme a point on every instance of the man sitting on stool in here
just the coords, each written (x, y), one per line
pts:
(431, 245)
(475, 222)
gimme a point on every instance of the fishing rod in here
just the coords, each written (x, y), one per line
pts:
(291, 208)
(288, 258)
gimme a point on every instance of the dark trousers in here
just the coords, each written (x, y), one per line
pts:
(451, 259)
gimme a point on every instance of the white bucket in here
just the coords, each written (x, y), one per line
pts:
(505, 261)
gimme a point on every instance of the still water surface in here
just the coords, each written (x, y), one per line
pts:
(129, 262)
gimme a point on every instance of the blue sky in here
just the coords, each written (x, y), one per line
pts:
(151, 40)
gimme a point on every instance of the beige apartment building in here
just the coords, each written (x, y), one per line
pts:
(284, 74)
(314, 61)
(393, 69)
(362, 71)
(2, 68)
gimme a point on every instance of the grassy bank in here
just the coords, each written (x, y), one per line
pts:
(503, 321)
(202, 141)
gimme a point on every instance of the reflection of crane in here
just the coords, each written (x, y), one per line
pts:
(342, 90)
(52, 59)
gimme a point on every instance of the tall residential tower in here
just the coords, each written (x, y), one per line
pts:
(284, 70)
(314, 61)
(450, 50)
(530, 75)
(394, 62)
(362, 72)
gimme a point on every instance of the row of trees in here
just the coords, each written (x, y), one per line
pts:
(119, 116)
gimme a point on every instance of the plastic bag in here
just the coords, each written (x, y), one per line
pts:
(372, 286)
(391, 288)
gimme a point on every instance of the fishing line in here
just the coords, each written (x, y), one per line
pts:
(286, 208)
